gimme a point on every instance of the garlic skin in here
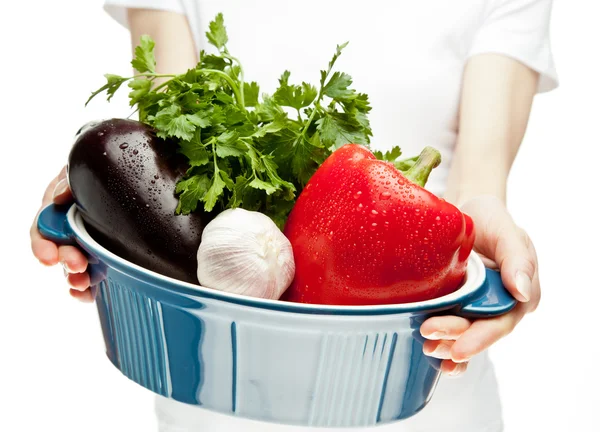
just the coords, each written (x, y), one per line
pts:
(244, 252)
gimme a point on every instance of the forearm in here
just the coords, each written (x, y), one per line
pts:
(495, 104)
(175, 50)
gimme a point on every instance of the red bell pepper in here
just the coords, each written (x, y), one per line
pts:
(365, 233)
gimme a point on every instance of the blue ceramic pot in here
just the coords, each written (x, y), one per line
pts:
(269, 360)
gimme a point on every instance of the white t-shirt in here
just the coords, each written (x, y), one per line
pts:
(408, 56)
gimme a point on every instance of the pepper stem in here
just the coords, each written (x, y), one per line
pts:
(428, 160)
(405, 164)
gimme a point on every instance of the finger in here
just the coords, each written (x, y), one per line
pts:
(78, 281)
(518, 265)
(84, 296)
(484, 333)
(489, 263)
(500, 239)
(72, 258)
(536, 292)
(444, 327)
(44, 250)
(49, 192)
(438, 349)
(510, 249)
(62, 193)
(448, 367)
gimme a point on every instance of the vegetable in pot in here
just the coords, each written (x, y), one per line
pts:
(123, 180)
(245, 148)
(232, 147)
(244, 252)
(364, 233)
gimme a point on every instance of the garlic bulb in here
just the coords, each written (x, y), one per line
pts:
(244, 252)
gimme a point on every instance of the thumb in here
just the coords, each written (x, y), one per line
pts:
(500, 239)
(62, 193)
(516, 261)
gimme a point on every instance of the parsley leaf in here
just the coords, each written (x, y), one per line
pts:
(144, 60)
(200, 119)
(251, 91)
(192, 191)
(303, 161)
(195, 152)
(217, 35)
(257, 183)
(228, 144)
(170, 122)
(338, 53)
(293, 95)
(338, 129)
(269, 110)
(113, 82)
(390, 155)
(271, 170)
(140, 88)
(237, 197)
(226, 179)
(214, 192)
(211, 61)
(278, 123)
(338, 87)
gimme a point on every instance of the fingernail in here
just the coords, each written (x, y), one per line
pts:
(65, 267)
(61, 188)
(442, 351)
(458, 359)
(523, 285)
(458, 370)
(436, 335)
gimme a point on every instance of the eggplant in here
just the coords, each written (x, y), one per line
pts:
(123, 180)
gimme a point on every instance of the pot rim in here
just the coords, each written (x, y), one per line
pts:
(475, 278)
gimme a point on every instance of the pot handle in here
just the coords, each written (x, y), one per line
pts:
(491, 299)
(53, 225)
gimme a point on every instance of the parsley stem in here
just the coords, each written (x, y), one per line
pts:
(309, 121)
(320, 95)
(317, 102)
(164, 84)
(239, 95)
(236, 91)
(153, 75)
(214, 147)
(232, 58)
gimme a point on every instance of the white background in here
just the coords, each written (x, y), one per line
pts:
(54, 373)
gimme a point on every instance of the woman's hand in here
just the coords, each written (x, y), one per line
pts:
(48, 253)
(501, 244)
(175, 51)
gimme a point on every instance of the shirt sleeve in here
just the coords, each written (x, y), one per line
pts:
(117, 9)
(519, 29)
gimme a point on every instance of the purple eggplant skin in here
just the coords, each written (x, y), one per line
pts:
(123, 180)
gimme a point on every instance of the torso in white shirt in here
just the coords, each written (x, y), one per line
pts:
(408, 56)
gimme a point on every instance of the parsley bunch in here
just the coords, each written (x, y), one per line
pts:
(244, 150)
